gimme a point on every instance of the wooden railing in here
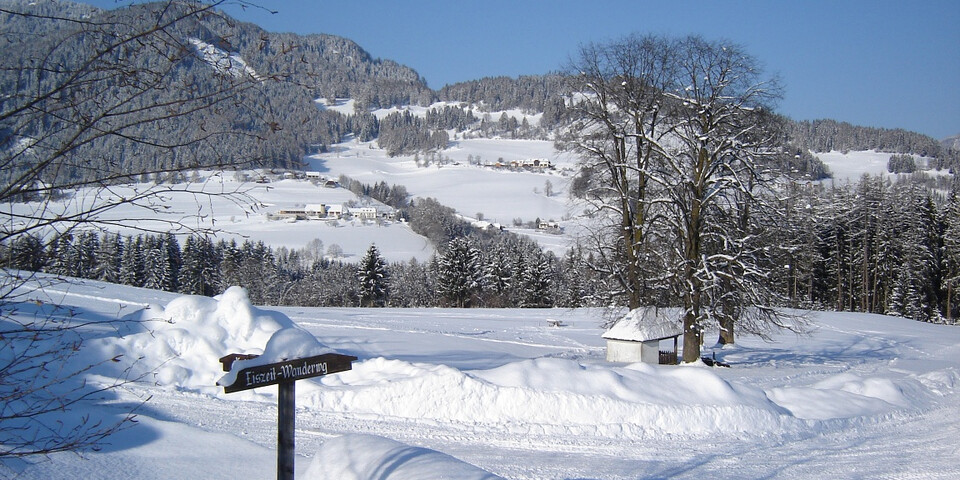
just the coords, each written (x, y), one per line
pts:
(668, 358)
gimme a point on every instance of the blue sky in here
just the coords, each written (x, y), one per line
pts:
(883, 63)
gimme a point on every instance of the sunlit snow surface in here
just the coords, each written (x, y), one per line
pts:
(861, 396)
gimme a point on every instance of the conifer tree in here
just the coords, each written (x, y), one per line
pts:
(200, 270)
(537, 282)
(373, 279)
(108, 258)
(459, 273)
(951, 255)
(131, 265)
(26, 253)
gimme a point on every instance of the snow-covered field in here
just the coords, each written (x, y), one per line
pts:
(499, 194)
(850, 166)
(464, 392)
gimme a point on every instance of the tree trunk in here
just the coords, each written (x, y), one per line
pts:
(691, 338)
(949, 302)
(726, 331)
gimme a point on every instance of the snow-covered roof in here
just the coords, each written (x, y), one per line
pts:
(646, 323)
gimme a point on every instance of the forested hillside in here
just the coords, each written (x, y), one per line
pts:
(151, 88)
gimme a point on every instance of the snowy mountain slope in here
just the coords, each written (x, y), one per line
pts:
(951, 142)
(863, 395)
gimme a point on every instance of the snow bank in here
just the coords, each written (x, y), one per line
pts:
(186, 338)
(554, 396)
(362, 457)
(842, 396)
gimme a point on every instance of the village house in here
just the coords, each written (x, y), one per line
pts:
(524, 164)
(335, 211)
(321, 211)
(550, 226)
(364, 213)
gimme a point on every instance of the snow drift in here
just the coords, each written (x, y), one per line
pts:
(362, 457)
(186, 338)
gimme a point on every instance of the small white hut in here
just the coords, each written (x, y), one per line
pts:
(636, 337)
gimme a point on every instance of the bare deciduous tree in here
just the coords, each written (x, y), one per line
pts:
(673, 134)
(92, 100)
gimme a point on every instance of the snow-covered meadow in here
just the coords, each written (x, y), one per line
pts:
(477, 393)
(848, 167)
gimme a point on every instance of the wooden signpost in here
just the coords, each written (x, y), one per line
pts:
(284, 374)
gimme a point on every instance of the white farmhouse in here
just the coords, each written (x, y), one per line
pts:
(364, 213)
(636, 337)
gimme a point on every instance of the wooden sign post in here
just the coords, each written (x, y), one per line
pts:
(284, 374)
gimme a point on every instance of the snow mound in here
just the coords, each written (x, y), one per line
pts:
(554, 396)
(362, 457)
(187, 337)
(285, 344)
(842, 396)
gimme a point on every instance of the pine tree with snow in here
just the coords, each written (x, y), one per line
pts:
(537, 282)
(230, 260)
(108, 258)
(411, 285)
(61, 255)
(374, 280)
(85, 254)
(200, 269)
(154, 263)
(498, 270)
(951, 255)
(131, 264)
(916, 282)
(459, 273)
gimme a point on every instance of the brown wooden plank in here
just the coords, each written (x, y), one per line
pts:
(289, 371)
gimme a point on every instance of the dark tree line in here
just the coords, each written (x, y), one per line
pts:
(901, 164)
(874, 246)
(466, 272)
(531, 93)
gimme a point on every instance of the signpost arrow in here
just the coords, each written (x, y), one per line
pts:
(284, 374)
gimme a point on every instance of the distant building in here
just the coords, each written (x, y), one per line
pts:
(318, 210)
(364, 213)
(551, 226)
(335, 211)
